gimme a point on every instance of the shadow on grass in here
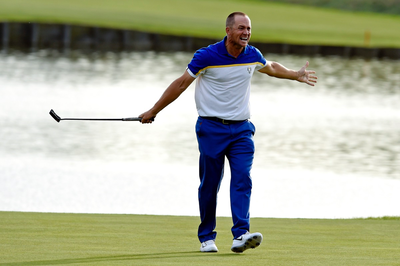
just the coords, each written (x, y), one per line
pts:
(132, 257)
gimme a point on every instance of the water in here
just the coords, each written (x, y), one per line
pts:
(330, 151)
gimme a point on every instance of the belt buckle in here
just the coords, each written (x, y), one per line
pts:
(225, 123)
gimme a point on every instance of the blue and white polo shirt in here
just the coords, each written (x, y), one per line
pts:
(223, 81)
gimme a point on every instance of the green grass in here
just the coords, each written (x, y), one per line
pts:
(100, 239)
(272, 22)
(382, 6)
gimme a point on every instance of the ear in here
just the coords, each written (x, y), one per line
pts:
(227, 30)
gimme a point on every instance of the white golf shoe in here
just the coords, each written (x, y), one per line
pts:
(246, 241)
(208, 246)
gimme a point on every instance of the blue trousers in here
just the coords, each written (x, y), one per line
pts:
(235, 142)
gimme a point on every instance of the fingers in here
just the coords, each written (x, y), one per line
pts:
(146, 118)
(311, 80)
(146, 121)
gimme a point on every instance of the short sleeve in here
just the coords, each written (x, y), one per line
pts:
(261, 60)
(198, 62)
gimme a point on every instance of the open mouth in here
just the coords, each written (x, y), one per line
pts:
(244, 39)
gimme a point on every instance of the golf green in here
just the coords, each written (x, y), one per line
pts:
(102, 239)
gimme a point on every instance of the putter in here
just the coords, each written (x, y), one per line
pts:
(58, 118)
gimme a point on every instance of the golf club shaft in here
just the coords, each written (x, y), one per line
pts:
(58, 118)
(104, 119)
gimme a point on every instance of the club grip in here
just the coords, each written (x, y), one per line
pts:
(134, 119)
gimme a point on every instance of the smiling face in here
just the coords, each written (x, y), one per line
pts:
(239, 32)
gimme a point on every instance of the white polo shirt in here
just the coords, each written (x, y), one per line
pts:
(223, 81)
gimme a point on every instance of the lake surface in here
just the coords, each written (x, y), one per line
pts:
(330, 151)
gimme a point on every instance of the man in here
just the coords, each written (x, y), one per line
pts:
(223, 72)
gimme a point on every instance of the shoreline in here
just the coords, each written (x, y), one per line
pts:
(65, 37)
(293, 194)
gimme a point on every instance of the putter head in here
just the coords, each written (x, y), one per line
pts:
(55, 116)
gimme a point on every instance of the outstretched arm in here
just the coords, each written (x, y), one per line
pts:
(170, 94)
(277, 70)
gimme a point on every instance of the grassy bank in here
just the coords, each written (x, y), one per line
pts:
(382, 6)
(272, 22)
(99, 239)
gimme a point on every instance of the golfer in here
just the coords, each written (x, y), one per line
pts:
(223, 73)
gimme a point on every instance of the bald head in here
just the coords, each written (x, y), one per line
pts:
(230, 20)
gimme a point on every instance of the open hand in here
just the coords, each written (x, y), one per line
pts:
(307, 76)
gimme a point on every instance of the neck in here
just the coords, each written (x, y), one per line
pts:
(233, 50)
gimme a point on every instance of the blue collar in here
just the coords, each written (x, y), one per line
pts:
(222, 48)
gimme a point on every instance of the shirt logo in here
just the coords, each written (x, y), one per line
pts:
(249, 70)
